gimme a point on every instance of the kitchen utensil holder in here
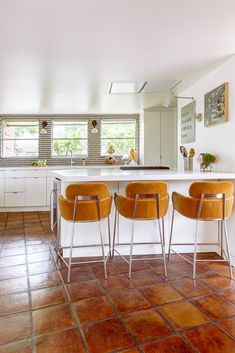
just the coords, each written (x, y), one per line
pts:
(188, 163)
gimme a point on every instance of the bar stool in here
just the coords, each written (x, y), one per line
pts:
(84, 203)
(207, 201)
(146, 201)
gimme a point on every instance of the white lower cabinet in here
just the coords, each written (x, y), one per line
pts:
(14, 199)
(36, 191)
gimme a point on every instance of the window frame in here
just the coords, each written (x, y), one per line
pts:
(118, 120)
(18, 120)
(76, 122)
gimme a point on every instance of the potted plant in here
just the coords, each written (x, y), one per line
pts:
(206, 161)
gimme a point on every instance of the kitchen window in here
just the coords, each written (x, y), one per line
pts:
(20, 138)
(69, 136)
(121, 134)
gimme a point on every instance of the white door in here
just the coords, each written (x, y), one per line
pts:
(168, 138)
(152, 138)
(36, 191)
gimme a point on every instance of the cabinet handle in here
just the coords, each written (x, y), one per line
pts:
(15, 192)
(35, 177)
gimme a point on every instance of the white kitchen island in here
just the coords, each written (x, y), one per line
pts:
(144, 231)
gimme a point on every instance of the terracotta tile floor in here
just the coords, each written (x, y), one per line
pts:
(41, 313)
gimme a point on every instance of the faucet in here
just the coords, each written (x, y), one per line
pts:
(71, 156)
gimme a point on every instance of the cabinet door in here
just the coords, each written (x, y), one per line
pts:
(2, 189)
(36, 191)
(152, 138)
(168, 138)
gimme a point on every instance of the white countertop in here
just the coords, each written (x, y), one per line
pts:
(115, 174)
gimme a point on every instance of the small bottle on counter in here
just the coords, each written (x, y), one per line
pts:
(83, 162)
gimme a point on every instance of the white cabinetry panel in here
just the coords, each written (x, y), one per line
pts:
(15, 184)
(1, 189)
(14, 199)
(152, 138)
(36, 191)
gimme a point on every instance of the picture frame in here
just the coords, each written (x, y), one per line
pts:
(216, 106)
(188, 123)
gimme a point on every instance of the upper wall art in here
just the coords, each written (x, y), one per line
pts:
(188, 123)
(216, 105)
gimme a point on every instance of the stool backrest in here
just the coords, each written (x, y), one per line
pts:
(214, 187)
(86, 189)
(217, 198)
(146, 188)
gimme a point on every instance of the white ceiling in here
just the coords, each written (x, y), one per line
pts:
(59, 56)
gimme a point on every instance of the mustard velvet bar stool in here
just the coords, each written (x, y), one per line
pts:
(88, 202)
(144, 201)
(207, 201)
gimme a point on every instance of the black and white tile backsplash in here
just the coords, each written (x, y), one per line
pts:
(45, 141)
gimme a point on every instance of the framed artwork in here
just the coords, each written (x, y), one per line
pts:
(188, 125)
(216, 106)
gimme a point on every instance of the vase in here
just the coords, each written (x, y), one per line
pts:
(206, 168)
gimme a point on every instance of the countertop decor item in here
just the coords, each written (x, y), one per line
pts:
(110, 159)
(40, 163)
(216, 105)
(206, 161)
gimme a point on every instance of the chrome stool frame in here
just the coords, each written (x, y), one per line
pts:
(222, 229)
(161, 228)
(59, 249)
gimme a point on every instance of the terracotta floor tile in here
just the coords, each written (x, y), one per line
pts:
(106, 336)
(217, 281)
(48, 296)
(145, 278)
(86, 289)
(228, 325)
(13, 272)
(215, 306)
(116, 282)
(13, 251)
(98, 270)
(183, 314)
(190, 288)
(173, 271)
(14, 327)
(8, 243)
(174, 344)
(132, 350)
(13, 285)
(161, 293)
(146, 325)
(43, 280)
(78, 274)
(68, 341)
(52, 319)
(21, 347)
(13, 216)
(229, 294)
(39, 256)
(136, 266)
(127, 300)
(93, 309)
(37, 248)
(41, 267)
(210, 339)
(221, 267)
(12, 260)
(14, 303)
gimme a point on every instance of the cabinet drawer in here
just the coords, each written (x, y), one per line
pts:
(36, 191)
(14, 199)
(30, 173)
(15, 184)
(15, 173)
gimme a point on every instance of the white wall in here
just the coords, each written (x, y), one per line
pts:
(218, 139)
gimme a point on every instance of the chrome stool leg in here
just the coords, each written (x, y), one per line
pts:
(171, 234)
(195, 251)
(162, 235)
(71, 252)
(103, 252)
(131, 248)
(228, 248)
